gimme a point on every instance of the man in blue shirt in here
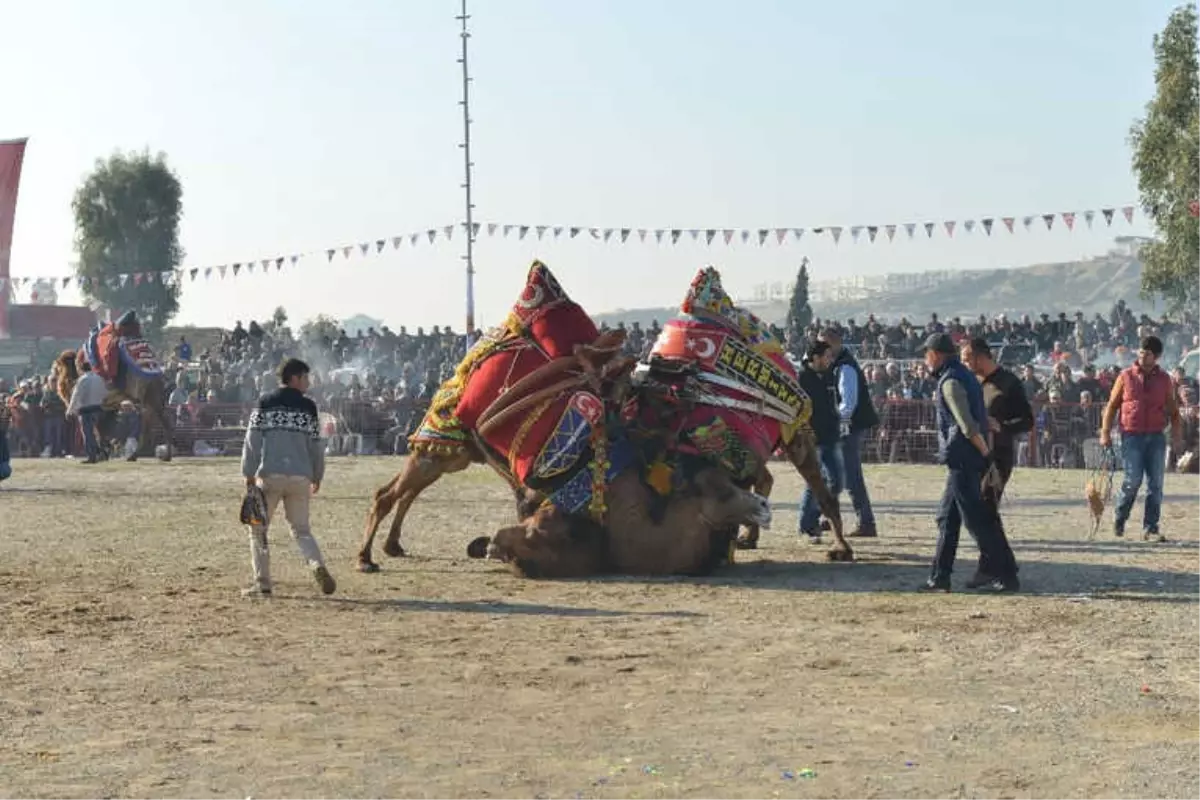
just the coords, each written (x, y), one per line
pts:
(857, 416)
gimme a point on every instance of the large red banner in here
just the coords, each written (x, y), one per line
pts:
(12, 155)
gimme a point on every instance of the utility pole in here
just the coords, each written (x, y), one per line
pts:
(466, 148)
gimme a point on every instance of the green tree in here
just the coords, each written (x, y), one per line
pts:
(1166, 159)
(127, 235)
(319, 328)
(800, 313)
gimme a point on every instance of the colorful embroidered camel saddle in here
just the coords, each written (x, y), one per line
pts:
(731, 395)
(117, 348)
(530, 393)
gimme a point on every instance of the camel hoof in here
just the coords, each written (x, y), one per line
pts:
(394, 550)
(838, 554)
(747, 544)
(478, 548)
(367, 566)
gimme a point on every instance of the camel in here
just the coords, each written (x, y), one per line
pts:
(457, 433)
(691, 538)
(149, 394)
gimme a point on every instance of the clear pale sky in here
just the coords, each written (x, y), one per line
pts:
(297, 125)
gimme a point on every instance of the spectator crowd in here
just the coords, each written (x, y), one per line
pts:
(375, 385)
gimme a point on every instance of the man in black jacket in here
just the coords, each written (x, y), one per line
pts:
(816, 379)
(1009, 416)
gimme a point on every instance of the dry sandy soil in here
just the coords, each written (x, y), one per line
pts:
(131, 666)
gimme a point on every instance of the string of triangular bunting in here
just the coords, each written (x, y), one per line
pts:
(726, 236)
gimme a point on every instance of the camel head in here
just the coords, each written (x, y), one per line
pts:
(549, 544)
(66, 374)
(721, 503)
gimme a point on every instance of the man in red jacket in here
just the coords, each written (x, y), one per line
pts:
(1144, 397)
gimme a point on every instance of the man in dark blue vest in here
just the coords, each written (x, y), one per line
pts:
(857, 416)
(816, 379)
(962, 447)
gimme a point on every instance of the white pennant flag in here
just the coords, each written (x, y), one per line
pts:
(396, 242)
(642, 234)
(492, 228)
(658, 234)
(507, 230)
(448, 231)
(909, 227)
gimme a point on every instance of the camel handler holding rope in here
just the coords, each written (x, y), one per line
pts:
(283, 459)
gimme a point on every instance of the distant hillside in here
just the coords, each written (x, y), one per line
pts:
(1089, 286)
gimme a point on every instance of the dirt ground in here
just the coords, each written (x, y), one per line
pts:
(131, 666)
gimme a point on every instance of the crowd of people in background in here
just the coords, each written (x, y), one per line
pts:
(377, 384)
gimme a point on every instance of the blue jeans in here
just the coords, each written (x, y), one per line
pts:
(1143, 454)
(52, 435)
(962, 502)
(830, 457)
(852, 477)
(87, 421)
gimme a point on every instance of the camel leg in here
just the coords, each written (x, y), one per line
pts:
(802, 452)
(763, 483)
(419, 473)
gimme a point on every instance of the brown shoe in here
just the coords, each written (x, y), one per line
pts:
(864, 532)
(325, 580)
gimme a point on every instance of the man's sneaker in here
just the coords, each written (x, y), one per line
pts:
(1119, 529)
(814, 537)
(979, 580)
(864, 532)
(325, 580)
(1153, 536)
(1001, 585)
(256, 591)
(935, 585)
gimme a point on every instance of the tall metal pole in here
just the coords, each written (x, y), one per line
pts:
(466, 148)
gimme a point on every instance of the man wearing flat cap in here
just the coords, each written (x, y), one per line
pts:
(857, 416)
(962, 422)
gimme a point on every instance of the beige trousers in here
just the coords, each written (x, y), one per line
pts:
(294, 492)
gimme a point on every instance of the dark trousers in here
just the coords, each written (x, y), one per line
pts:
(52, 434)
(88, 419)
(962, 501)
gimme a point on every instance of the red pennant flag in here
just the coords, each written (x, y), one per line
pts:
(1108, 215)
(950, 228)
(929, 230)
(728, 234)
(891, 232)
(780, 235)
(448, 231)
(1049, 220)
(1069, 219)
(1128, 212)
(1194, 208)
(221, 271)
